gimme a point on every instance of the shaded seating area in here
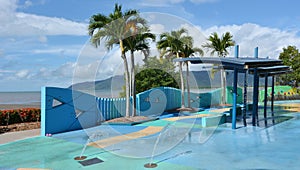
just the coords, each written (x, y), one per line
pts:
(258, 67)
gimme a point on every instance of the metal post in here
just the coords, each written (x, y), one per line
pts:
(255, 92)
(272, 99)
(234, 94)
(43, 110)
(236, 51)
(245, 97)
(266, 98)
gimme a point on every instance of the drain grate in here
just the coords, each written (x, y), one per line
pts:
(89, 162)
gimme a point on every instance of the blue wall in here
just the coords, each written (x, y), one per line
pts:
(66, 110)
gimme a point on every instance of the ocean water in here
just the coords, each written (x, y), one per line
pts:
(35, 97)
(20, 97)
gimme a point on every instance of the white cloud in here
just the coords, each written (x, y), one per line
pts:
(7, 10)
(15, 23)
(27, 3)
(22, 73)
(6, 71)
(196, 33)
(165, 3)
(269, 40)
(65, 70)
(157, 28)
(59, 51)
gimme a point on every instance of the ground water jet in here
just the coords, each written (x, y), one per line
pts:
(81, 157)
(93, 136)
(151, 164)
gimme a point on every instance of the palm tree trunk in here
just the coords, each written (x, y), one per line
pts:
(127, 80)
(188, 84)
(133, 90)
(127, 89)
(181, 85)
(223, 84)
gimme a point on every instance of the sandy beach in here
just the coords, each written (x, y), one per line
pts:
(19, 106)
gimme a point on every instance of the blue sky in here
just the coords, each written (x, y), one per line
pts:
(45, 42)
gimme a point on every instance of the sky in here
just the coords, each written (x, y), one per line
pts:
(46, 42)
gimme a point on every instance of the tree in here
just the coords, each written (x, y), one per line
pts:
(138, 42)
(156, 73)
(171, 45)
(114, 28)
(291, 57)
(220, 46)
(188, 51)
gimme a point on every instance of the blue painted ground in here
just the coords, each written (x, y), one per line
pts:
(275, 147)
(96, 133)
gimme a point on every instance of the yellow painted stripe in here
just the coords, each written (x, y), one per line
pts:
(113, 140)
(294, 107)
(220, 110)
(188, 117)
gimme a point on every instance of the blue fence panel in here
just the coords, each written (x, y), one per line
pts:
(112, 109)
(66, 110)
(144, 99)
(177, 98)
(138, 108)
(79, 110)
(152, 102)
(205, 100)
(122, 106)
(194, 100)
(102, 104)
(216, 97)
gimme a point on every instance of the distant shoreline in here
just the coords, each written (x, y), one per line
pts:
(19, 106)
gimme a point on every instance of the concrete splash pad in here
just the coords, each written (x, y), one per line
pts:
(275, 147)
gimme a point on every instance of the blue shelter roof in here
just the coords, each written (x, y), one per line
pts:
(263, 65)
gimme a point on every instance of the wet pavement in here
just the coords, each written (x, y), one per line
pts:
(174, 146)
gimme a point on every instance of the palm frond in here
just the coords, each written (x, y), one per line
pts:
(219, 45)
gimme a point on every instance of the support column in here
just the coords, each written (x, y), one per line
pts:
(255, 93)
(272, 99)
(266, 98)
(245, 98)
(43, 110)
(234, 94)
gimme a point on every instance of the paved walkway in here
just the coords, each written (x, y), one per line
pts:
(14, 136)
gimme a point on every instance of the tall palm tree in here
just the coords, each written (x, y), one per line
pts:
(138, 42)
(114, 28)
(220, 46)
(173, 45)
(189, 51)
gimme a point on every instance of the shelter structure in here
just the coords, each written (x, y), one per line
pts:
(258, 67)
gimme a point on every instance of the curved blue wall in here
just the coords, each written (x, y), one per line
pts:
(66, 110)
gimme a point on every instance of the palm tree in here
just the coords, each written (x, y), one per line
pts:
(220, 46)
(189, 51)
(138, 42)
(114, 28)
(173, 44)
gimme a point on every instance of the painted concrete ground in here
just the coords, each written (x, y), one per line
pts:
(175, 144)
